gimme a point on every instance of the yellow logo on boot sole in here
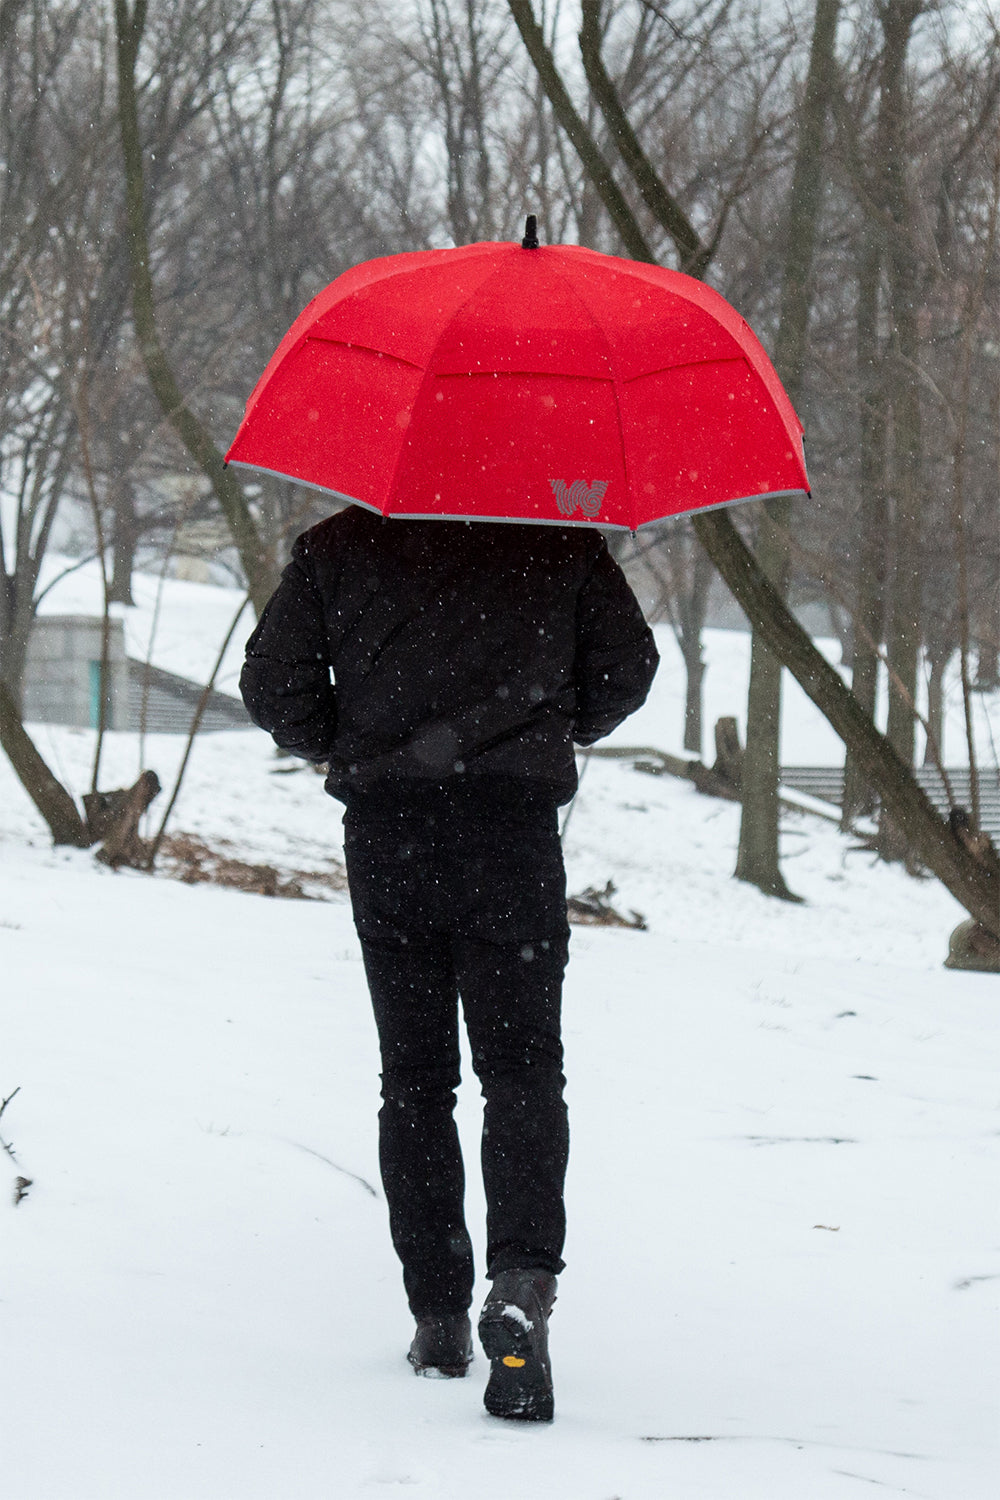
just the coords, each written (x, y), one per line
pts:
(512, 1362)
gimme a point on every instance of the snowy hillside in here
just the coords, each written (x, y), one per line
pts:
(784, 1247)
(177, 625)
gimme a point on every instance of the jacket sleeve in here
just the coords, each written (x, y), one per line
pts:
(285, 680)
(616, 657)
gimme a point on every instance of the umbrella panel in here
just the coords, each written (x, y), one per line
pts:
(333, 417)
(706, 434)
(648, 327)
(402, 309)
(524, 325)
(492, 445)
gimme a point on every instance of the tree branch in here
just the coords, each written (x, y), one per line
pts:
(191, 431)
(587, 149)
(694, 254)
(969, 881)
(47, 793)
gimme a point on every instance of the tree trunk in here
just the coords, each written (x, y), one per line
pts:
(692, 607)
(125, 533)
(934, 744)
(729, 756)
(694, 668)
(258, 566)
(49, 795)
(758, 856)
(13, 656)
(122, 565)
(970, 880)
(988, 659)
(897, 19)
(693, 715)
(758, 859)
(869, 600)
(684, 588)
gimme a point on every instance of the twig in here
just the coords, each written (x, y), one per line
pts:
(195, 722)
(82, 410)
(75, 567)
(362, 1181)
(7, 1145)
(803, 555)
(154, 625)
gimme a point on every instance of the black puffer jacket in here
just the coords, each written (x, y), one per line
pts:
(455, 648)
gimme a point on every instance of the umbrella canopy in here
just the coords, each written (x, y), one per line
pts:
(499, 382)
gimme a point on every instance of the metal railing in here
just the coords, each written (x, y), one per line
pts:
(827, 783)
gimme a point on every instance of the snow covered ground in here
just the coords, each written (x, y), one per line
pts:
(784, 1248)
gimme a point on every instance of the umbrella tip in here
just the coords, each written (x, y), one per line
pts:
(530, 241)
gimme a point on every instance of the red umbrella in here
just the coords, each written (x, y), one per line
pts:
(504, 382)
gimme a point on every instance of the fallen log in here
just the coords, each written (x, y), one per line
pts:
(720, 780)
(113, 821)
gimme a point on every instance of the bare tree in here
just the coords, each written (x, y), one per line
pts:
(924, 555)
(897, 18)
(130, 28)
(466, 50)
(758, 857)
(971, 880)
(61, 286)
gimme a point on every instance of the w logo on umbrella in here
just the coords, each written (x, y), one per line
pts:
(587, 496)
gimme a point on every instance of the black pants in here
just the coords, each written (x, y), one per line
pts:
(459, 890)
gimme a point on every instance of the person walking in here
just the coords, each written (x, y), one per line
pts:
(444, 670)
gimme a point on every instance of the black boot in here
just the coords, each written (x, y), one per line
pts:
(442, 1346)
(514, 1331)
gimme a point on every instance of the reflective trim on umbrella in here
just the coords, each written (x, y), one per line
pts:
(596, 524)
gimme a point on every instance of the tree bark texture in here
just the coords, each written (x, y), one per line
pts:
(694, 255)
(694, 671)
(988, 643)
(693, 607)
(49, 795)
(969, 880)
(897, 19)
(259, 568)
(126, 524)
(869, 599)
(759, 857)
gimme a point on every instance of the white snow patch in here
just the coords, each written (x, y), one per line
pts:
(517, 1315)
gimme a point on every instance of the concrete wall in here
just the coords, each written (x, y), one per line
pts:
(61, 683)
(62, 678)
